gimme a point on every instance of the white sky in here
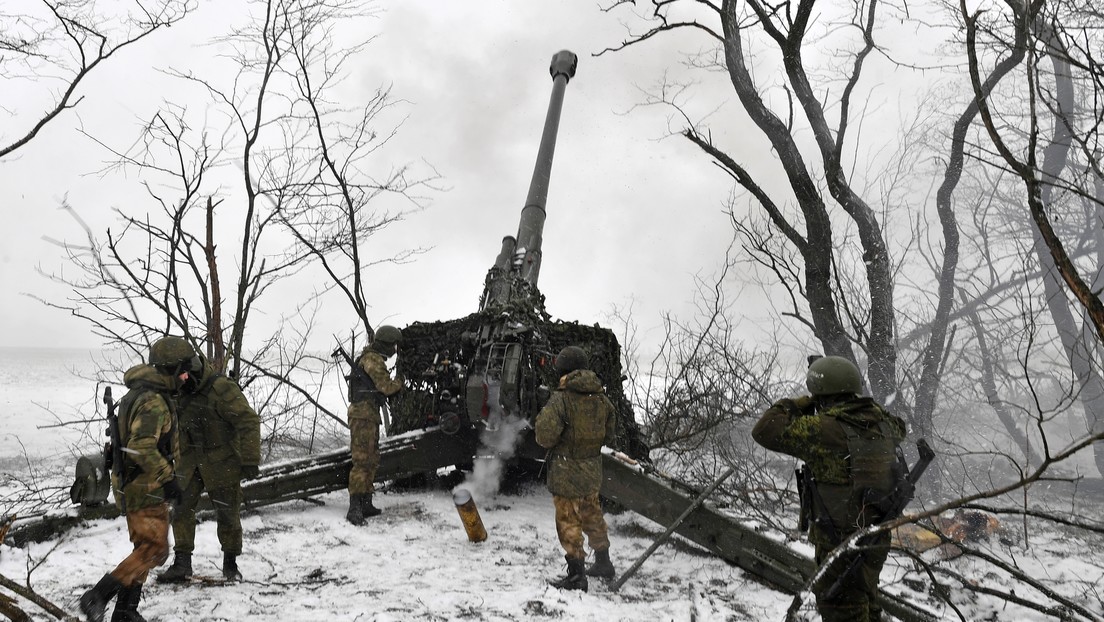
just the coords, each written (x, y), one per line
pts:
(631, 217)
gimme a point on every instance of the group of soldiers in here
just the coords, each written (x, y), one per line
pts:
(183, 429)
(574, 425)
(187, 429)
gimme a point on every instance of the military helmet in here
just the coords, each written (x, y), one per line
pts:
(571, 358)
(172, 354)
(387, 334)
(831, 375)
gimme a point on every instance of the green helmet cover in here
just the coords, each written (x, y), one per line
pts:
(171, 352)
(571, 358)
(388, 334)
(832, 375)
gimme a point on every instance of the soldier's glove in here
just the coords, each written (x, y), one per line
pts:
(798, 406)
(173, 493)
(804, 402)
(250, 471)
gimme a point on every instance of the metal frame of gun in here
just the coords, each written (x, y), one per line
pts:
(894, 509)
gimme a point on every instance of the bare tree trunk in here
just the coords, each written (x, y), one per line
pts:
(989, 384)
(1055, 157)
(216, 347)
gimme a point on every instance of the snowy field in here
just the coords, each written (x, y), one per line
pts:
(302, 561)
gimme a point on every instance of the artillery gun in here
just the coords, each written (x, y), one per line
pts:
(489, 373)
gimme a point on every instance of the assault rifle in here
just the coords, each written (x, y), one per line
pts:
(893, 506)
(113, 449)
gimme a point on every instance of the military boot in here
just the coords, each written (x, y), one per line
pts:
(93, 603)
(230, 567)
(576, 576)
(126, 605)
(356, 510)
(180, 571)
(367, 508)
(602, 566)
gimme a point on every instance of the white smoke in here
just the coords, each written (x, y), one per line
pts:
(497, 445)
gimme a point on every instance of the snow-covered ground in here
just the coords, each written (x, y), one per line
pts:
(302, 561)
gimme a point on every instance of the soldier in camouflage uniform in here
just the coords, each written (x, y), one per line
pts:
(144, 484)
(577, 420)
(220, 445)
(370, 385)
(848, 443)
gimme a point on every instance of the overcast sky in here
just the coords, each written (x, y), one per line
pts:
(633, 214)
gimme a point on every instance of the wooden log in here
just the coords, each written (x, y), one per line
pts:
(771, 561)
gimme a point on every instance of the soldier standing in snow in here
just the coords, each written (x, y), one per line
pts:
(370, 385)
(849, 446)
(577, 420)
(143, 480)
(220, 445)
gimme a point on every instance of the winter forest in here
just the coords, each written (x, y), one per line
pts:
(914, 186)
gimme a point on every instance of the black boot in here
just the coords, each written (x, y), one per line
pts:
(367, 508)
(576, 576)
(94, 601)
(602, 566)
(356, 510)
(126, 606)
(230, 567)
(180, 571)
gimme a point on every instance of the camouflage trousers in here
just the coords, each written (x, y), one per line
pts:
(364, 443)
(576, 516)
(149, 532)
(227, 501)
(856, 601)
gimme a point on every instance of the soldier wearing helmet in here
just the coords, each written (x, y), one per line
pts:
(577, 420)
(370, 384)
(848, 443)
(144, 484)
(220, 445)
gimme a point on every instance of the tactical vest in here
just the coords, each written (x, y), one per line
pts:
(874, 470)
(361, 385)
(129, 470)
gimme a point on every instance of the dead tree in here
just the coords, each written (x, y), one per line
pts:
(61, 43)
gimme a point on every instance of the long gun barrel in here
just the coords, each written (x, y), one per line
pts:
(520, 257)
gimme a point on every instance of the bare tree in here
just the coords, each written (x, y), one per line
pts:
(1050, 141)
(823, 236)
(304, 194)
(60, 43)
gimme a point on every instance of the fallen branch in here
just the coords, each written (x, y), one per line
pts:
(11, 611)
(35, 598)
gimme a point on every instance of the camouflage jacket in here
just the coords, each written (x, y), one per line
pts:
(577, 420)
(375, 366)
(219, 430)
(817, 435)
(147, 429)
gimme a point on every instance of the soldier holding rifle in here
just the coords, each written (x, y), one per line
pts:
(144, 449)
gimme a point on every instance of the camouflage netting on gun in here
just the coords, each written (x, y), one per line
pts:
(425, 345)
